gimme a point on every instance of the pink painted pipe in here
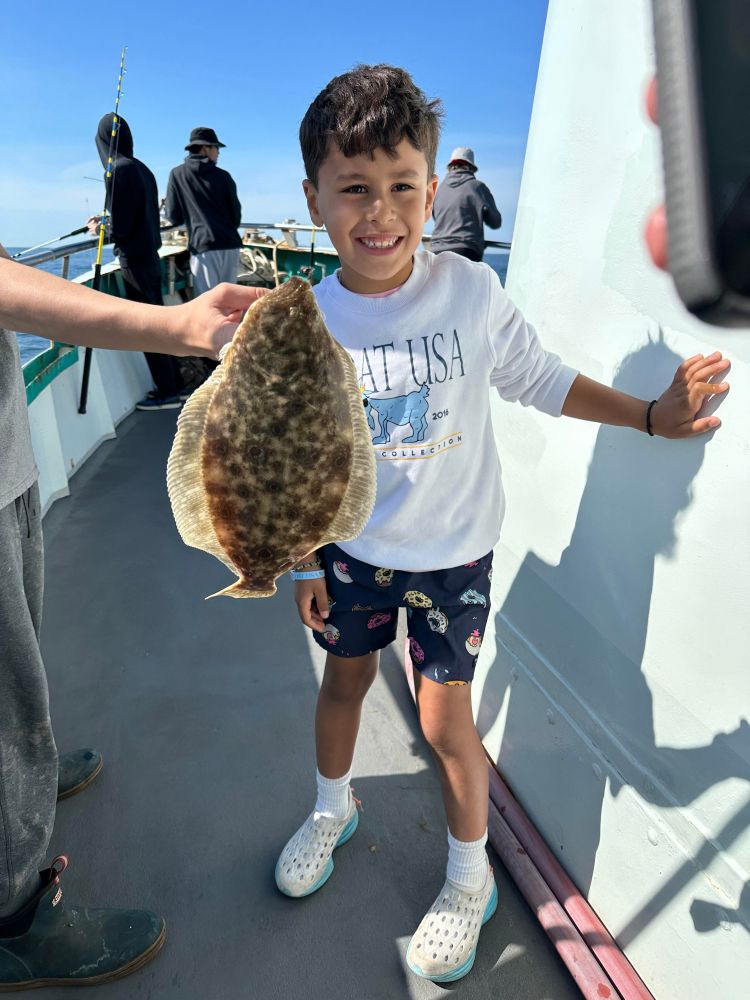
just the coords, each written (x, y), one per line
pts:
(592, 930)
(588, 975)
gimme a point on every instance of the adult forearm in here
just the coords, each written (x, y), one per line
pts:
(32, 301)
(590, 400)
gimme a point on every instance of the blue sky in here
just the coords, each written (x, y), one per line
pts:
(248, 70)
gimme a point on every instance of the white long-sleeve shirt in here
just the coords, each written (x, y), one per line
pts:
(426, 357)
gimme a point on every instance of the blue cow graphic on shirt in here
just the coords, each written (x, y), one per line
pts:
(400, 410)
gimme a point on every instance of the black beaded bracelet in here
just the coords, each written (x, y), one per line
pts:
(649, 428)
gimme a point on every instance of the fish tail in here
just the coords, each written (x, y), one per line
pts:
(241, 588)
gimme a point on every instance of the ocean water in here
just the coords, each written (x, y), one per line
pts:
(498, 261)
(31, 346)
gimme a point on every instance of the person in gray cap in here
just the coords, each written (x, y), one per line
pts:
(203, 197)
(463, 206)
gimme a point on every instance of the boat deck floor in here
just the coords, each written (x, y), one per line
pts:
(203, 712)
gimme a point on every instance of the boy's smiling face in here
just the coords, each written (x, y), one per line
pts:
(374, 209)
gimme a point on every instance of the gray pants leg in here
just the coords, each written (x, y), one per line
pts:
(212, 267)
(28, 758)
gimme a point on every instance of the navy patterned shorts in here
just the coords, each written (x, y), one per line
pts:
(446, 611)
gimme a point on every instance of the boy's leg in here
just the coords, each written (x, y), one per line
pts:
(306, 862)
(361, 623)
(447, 618)
(447, 721)
(444, 945)
(346, 681)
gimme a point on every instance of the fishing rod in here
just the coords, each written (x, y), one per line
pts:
(114, 140)
(57, 239)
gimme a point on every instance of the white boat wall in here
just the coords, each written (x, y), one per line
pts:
(613, 687)
(62, 437)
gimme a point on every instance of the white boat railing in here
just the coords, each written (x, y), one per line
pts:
(292, 226)
(66, 251)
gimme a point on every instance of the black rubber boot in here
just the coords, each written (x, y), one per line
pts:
(76, 770)
(50, 944)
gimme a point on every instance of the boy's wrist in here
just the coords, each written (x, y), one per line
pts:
(643, 416)
(308, 574)
(311, 562)
(635, 413)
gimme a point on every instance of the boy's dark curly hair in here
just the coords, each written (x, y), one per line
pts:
(369, 108)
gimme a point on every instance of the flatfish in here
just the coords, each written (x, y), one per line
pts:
(273, 456)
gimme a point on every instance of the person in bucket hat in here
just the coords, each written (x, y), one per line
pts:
(463, 206)
(203, 197)
(203, 136)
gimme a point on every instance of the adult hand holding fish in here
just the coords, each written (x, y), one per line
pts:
(209, 321)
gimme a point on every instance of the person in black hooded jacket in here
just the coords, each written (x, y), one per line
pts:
(132, 202)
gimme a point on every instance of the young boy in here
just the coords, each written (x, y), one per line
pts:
(429, 335)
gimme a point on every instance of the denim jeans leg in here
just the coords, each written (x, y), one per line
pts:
(28, 757)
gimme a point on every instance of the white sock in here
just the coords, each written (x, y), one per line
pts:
(333, 795)
(467, 862)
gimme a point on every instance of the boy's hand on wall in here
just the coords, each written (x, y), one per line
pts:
(674, 414)
(311, 598)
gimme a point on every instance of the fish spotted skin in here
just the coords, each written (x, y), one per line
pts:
(282, 462)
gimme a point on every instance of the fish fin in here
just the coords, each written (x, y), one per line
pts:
(240, 589)
(187, 494)
(359, 497)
